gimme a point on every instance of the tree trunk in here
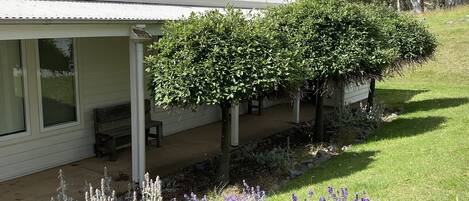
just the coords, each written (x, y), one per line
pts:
(422, 5)
(398, 5)
(224, 163)
(319, 121)
(371, 94)
(416, 5)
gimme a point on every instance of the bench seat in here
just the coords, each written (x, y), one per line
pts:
(113, 129)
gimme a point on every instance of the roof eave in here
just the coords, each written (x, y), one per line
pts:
(65, 21)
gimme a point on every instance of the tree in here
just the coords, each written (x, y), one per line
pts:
(331, 40)
(215, 58)
(413, 42)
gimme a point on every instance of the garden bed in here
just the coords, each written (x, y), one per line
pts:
(272, 161)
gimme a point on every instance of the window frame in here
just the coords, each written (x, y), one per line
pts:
(64, 125)
(26, 103)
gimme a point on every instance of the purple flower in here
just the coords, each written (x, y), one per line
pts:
(344, 193)
(293, 197)
(322, 198)
(330, 190)
(310, 193)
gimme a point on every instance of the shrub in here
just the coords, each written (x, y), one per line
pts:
(349, 123)
(279, 159)
(352, 116)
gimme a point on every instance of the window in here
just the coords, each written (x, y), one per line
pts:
(12, 99)
(58, 94)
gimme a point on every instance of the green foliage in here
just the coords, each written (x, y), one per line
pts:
(215, 58)
(412, 40)
(275, 159)
(359, 117)
(332, 39)
(410, 37)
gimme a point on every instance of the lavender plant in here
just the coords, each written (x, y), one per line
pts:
(100, 194)
(62, 194)
(150, 190)
(340, 194)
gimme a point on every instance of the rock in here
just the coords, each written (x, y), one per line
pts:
(295, 173)
(322, 156)
(308, 160)
(390, 117)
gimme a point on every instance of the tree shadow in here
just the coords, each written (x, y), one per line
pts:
(401, 98)
(397, 96)
(433, 104)
(407, 127)
(349, 163)
(339, 166)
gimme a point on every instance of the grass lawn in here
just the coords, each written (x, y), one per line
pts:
(424, 154)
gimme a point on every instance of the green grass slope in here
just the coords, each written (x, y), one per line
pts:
(424, 154)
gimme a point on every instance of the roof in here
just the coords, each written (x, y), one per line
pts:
(17, 11)
(213, 3)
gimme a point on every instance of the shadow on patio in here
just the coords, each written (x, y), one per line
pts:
(177, 151)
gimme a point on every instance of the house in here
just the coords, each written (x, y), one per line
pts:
(61, 59)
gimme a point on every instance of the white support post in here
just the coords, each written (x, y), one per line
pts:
(137, 109)
(235, 125)
(296, 107)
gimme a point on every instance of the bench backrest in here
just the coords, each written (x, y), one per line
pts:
(117, 116)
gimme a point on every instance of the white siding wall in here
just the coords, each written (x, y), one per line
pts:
(354, 93)
(182, 119)
(103, 80)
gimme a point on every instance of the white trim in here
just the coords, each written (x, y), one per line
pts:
(209, 3)
(26, 103)
(39, 31)
(137, 98)
(297, 107)
(28, 31)
(78, 121)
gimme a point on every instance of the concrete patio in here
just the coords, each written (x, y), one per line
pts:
(177, 151)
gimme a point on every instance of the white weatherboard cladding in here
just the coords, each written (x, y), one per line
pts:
(346, 94)
(356, 92)
(103, 71)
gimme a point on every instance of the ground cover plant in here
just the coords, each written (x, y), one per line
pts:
(424, 153)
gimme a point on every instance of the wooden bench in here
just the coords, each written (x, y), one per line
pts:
(259, 106)
(113, 129)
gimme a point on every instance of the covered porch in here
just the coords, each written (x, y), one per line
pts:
(178, 150)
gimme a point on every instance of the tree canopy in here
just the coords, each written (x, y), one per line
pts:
(412, 40)
(214, 58)
(332, 39)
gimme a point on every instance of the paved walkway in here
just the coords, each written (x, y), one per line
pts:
(177, 151)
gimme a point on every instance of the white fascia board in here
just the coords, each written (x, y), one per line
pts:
(31, 31)
(38, 31)
(209, 3)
